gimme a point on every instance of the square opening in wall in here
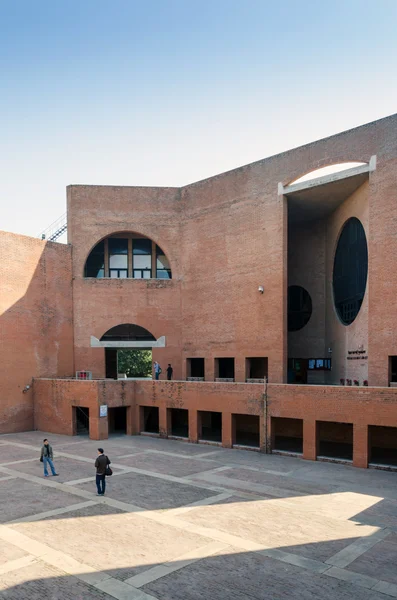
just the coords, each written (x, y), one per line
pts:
(287, 435)
(210, 426)
(150, 419)
(335, 440)
(246, 430)
(383, 445)
(224, 368)
(179, 418)
(195, 368)
(256, 368)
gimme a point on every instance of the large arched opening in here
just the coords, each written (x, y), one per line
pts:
(127, 256)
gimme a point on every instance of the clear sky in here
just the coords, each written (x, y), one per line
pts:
(166, 92)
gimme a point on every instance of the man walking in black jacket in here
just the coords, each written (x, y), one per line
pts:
(101, 463)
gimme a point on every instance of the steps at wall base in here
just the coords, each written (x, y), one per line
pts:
(287, 453)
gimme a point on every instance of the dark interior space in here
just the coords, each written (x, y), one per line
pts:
(393, 369)
(335, 440)
(224, 368)
(383, 445)
(82, 416)
(179, 422)
(256, 368)
(150, 419)
(287, 435)
(195, 367)
(117, 419)
(246, 428)
(111, 363)
(210, 426)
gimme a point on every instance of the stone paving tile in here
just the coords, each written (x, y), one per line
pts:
(250, 576)
(379, 562)
(90, 449)
(282, 464)
(276, 525)
(20, 498)
(68, 469)
(13, 453)
(174, 446)
(150, 492)
(383, 514)
(42, 582)
(9, 552)
(122, 544)
(280, 482)
(170, 465)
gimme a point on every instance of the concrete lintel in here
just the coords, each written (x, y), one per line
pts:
(160, 343)
(331, 178)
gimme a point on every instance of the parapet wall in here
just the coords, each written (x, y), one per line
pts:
(54, 400)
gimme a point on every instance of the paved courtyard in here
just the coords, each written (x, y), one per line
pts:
(191, 522)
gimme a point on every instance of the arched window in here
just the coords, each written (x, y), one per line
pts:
(127, 256)
(350, 270)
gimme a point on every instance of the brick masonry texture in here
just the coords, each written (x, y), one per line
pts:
(224, 237)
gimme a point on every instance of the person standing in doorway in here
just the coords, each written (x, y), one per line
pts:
(46, 457)
(170, 371)
(101, 463)
(157, 370)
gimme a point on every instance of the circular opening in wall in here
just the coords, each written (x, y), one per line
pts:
(299, 307)
(350, 270)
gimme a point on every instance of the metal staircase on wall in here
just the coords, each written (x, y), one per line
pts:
(55, 230)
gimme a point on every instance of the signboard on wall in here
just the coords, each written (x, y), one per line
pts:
(103, 410)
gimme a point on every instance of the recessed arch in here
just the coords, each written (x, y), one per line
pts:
(127, 332)
(327, 170)
(127, 255)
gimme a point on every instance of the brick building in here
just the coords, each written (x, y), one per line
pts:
(273, 295)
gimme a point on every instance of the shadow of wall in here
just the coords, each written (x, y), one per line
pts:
(36, 329)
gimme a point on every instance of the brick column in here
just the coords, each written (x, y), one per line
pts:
(99, 428)
(164, 424)
(228, 434)
(193, 426)
(209, 369)
(360, 446)
(133, 421)
(262, 433)
(309, 439)
(239, 369)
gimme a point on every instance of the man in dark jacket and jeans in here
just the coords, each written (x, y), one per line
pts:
(46, 457)
(101, 463)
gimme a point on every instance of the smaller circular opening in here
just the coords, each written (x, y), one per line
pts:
(299, 307)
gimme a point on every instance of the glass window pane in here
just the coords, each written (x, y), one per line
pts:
(138, 274)
(146, 274)
(95, 264)
(118, 246)
(163, 274)
(142, 246)
(162, 262)
(114, 274)
(123, 274)
(142, 261)
(118, 261)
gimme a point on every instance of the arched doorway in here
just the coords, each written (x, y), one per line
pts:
(128, 351)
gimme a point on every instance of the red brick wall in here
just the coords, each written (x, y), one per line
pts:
(95, 212)
(361, 407)
(36, 334)
(225, 236)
